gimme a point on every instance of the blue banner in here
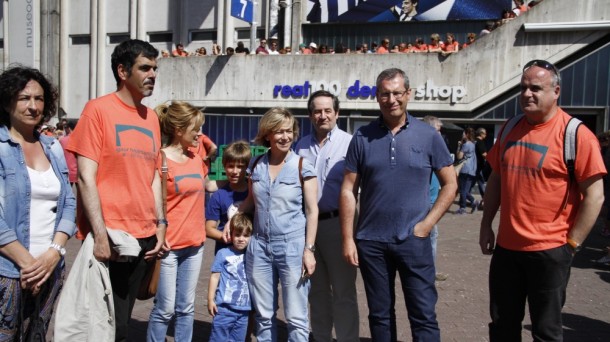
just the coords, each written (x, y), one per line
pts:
(242, 9)
(328, 11)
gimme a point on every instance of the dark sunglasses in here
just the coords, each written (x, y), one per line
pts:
(542, 64)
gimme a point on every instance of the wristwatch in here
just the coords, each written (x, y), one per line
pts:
(311, 248)
(575, 245)
(60, 249)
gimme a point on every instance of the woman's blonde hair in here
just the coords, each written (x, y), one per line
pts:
(177, 115)
(273, 119)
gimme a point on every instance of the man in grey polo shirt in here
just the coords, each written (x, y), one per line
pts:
(391, 161)
(334, 281)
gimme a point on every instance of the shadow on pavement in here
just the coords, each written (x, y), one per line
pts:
(581, 328)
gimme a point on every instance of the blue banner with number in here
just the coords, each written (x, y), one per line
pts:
(242, 9)
(327, 11)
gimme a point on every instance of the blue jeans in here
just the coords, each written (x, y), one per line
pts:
(466, 182)
(269, 263)
(412, 258)
(229, 325)
(541, 277)
(176, 294)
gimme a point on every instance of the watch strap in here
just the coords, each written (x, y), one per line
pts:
(60, 249)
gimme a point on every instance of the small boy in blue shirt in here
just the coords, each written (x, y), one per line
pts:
(224, 202)
(228, 293)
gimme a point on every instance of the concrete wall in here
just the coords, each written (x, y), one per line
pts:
(485, 70)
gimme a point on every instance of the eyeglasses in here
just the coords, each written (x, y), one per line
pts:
(542, 64)
(397, 95)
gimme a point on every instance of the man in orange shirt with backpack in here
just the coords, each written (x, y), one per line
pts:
(548, 208)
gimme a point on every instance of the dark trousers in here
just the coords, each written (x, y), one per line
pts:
(126, 278)
(479, 180)
(466, 182)
(541, 277)
(413, 260)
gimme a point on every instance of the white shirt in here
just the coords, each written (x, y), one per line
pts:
(45, 189)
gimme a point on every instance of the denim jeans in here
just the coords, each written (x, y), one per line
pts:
(466, 182)
(479, 180)
(176, 294)
(269, 263)
(412, 258)
(541, 277)
(433, 238)
(229, 325)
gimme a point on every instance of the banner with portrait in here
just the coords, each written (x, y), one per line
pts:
(329, 11)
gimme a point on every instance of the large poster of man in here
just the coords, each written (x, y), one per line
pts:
(328, 11)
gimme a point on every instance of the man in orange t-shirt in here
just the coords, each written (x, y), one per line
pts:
(117, 143)
(545, 216)
(385, 46)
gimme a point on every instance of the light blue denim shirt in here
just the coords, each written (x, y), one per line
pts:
(15, 195)
(329, 162)
(470, 166)
(279, 204)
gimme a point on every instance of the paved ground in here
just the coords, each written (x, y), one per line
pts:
(462, 308)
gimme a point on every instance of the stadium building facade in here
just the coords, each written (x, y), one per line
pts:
(478, 86)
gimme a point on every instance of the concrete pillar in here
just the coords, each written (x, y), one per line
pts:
(229, 29)
(141, 17)
(287, 36)
(220, 19)
(6, 35)
(133, 19)
(101, 49)
(64, 40)
(93, 50)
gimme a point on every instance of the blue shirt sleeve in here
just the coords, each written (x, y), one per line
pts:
(218, 261)
(213, 209)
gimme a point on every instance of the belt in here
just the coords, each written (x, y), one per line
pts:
(328, 215)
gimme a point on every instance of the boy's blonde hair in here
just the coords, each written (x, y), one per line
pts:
(241, 224)
(237, 151)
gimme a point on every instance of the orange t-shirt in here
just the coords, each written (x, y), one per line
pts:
(125, 143)
(381, 50)
(451, 47)
(185, 202)
(534, 181)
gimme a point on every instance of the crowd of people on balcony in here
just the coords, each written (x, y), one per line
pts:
(435, 44)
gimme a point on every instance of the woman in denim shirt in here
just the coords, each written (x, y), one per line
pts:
(37, 206)
(467, 177)
(285, 224)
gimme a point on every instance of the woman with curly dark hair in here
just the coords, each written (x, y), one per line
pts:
(38, 206)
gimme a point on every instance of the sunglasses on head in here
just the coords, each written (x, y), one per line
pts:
(542, 64)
